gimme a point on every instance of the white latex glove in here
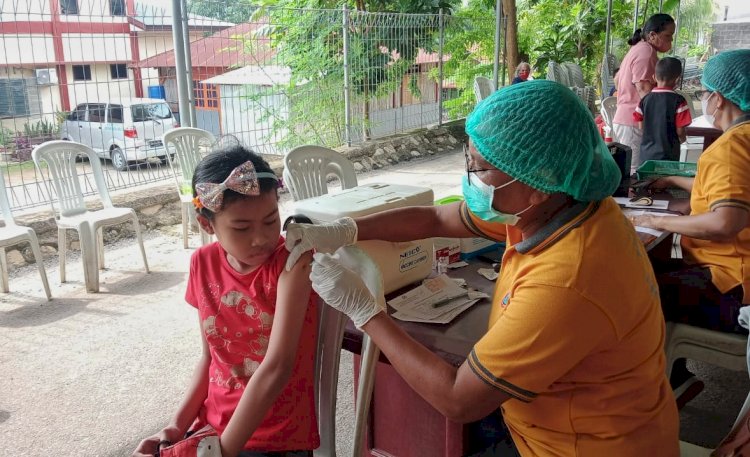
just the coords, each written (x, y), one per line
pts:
(346, 290)
(328, 237)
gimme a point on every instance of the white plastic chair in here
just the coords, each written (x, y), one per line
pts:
(56, 162)
(608, 109)
(331, 324)
(575, 74)
(185, 144)
(726, 350)
(306, 171)
(556, 73)
(331, 327)
(483, 88)
(12, 234)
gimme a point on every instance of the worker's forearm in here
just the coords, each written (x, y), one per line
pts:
(412, 223)
(707, 226)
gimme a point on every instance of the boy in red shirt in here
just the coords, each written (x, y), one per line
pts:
(663, 115)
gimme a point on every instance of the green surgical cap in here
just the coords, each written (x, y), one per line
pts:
(728, 73)
(540, 133)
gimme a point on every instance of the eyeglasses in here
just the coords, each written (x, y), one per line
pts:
(699, 94)
(470, 170)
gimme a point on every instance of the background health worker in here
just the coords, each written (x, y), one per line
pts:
(709, 285)
(574, 346)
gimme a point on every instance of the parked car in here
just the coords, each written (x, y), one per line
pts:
(124, 131)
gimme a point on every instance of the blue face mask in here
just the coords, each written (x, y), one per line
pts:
(479, 198)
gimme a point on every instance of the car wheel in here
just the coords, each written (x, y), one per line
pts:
(119, 161)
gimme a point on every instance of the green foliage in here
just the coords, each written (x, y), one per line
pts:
(470, 42)
(234, 11)
(40, 129)
(382, 48)
(6, 136)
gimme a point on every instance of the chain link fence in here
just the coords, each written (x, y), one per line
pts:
(104, 73)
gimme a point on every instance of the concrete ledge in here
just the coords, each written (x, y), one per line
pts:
(158, 204)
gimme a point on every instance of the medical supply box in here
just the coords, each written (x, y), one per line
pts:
(461, 248)
(400, 263)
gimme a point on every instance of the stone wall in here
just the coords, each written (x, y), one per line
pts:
(159, 205)
(730, 35)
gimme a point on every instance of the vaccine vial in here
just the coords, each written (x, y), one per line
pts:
(442, 264)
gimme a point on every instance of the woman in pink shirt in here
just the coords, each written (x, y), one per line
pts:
(636, 78)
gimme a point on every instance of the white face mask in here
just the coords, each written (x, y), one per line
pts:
(711, 118)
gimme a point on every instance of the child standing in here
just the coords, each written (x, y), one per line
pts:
(254, 380)
(663, 115)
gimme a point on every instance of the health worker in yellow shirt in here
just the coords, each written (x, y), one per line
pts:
(709, 285)
(573, 351)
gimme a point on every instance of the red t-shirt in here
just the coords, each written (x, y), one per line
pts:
(236, 313)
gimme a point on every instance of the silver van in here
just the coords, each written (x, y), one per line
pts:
(124, 131)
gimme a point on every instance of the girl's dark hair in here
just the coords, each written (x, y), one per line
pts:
(656, 23)
(217, 165)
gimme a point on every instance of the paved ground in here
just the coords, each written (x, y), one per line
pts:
(90, 374)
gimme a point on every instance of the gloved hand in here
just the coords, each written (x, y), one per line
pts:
(301, 238)
(344, 289)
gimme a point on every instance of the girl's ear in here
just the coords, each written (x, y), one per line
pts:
(205, 223)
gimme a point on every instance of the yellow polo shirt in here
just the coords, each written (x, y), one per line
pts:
(576, 338)
(723, 179)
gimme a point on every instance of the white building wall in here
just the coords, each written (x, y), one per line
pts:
(101, 88)
(245, 118)
(26, 50)
(30, 10)
(96, 47)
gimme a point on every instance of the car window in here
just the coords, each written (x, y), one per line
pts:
(78, 114)
(96, 112)
(150, 111)
(114, 114)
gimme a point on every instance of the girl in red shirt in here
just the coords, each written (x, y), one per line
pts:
(254, 381)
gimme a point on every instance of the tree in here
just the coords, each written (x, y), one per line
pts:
(511, 36)
(382, 49)
(234, 11)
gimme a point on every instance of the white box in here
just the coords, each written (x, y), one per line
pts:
(400, 263)
(472, 247)
(450, 247)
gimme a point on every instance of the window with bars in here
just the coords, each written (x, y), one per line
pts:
(118, 71)
(206, 95)
(81, 72)
(18, 97)
(117, 7)
(69, 6)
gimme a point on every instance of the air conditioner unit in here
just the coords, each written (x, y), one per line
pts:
(46, 76)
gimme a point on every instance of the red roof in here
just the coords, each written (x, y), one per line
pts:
(233, 47)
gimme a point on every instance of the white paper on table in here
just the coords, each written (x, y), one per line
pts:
(422, 298)
(451, 313)
(458, 264)
(488, 273)
(460, 281)
(634, 213)
(657, 204)
(650, 231)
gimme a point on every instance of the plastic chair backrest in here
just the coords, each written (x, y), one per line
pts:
(608, 109)
(186, 143)
(5, 203)
(483, 88)
(60, 160)
(331, 324)
(306, 169)
(575, 74)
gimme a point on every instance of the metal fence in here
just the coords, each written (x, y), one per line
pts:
(105, 73)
